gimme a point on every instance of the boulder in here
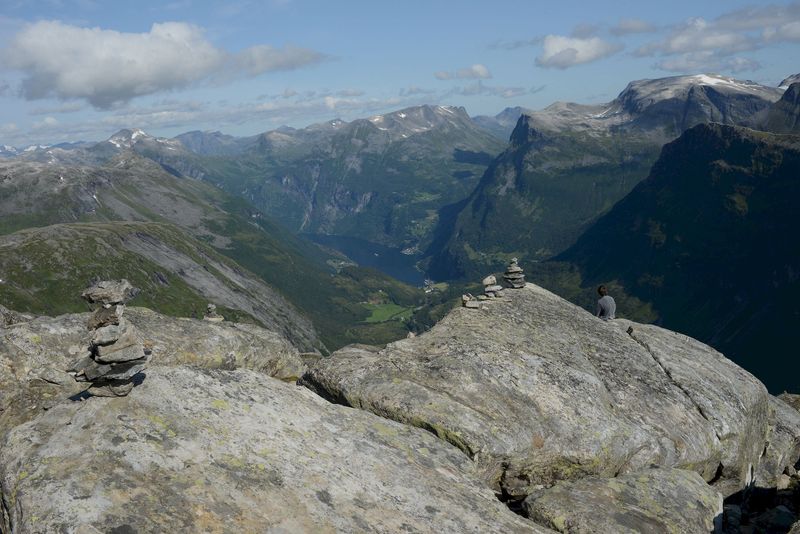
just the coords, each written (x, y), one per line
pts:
(653, 500)
(35, 355)
(537, 390)
(193, 450)
(109, 292)
(791, 399)
(783, 446)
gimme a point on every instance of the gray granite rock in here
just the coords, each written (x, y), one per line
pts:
(128, 339)
(783, 445)
(652, 500)
(106, 335)
(26, 348)
(234, 451)
(791, 399)
(110, 292)
(537, 390)
(125, 354)
(105, 317)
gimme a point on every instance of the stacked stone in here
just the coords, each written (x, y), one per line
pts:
(514, 275)
(491, 289)
(212, 315)
(468, 301)
(115, 355)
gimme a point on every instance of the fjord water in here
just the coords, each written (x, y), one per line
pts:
(388, 260)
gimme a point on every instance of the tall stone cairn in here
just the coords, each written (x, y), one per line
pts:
(514, 275)
(115, 355)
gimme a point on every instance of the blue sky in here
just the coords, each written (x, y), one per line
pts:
(82, 69)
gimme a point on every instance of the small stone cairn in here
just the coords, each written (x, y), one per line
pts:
(212, 315)
(491, 289)
(115, 355)
(514, 275)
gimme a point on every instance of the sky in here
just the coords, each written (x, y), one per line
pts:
(75, 70)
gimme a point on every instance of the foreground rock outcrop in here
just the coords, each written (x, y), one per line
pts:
(527, 402)
(35, 354)
(233, 451)
(536, 390)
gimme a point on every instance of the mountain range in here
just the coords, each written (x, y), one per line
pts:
(429, 180)
(187, 238)
(569, 163)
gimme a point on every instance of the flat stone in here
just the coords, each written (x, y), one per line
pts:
(125, 354)
(128, 338)
(106, 316)
(125, 371)
(110, 292)
(96, 370)
(493, 288)
(652, 500)
(106, 335)
(472, 304)
(117, 389)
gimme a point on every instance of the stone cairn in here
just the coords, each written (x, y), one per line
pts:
(212, 315)
(514, 275)
(115, 354)
(491, 289)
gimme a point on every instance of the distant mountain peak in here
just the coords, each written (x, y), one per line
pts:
(125, 138)
(789, 80)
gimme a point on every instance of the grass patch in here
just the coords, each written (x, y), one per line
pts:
(386, 312)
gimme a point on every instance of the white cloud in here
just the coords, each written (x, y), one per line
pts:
(630, 26)
(107, 67)
(45, 124)
(705, 45)
(264, 58)
(562, 52)
(475, 72)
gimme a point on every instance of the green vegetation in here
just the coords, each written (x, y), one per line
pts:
(49, 268)
(387, 312)
(710, 269)
(537, 198)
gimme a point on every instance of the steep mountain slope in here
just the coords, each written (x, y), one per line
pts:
(710, 239)
(784, 115)
(569, 163)
(503, 123)
(45, 269)
(134, 188)
(214, 143)
(381, 179)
